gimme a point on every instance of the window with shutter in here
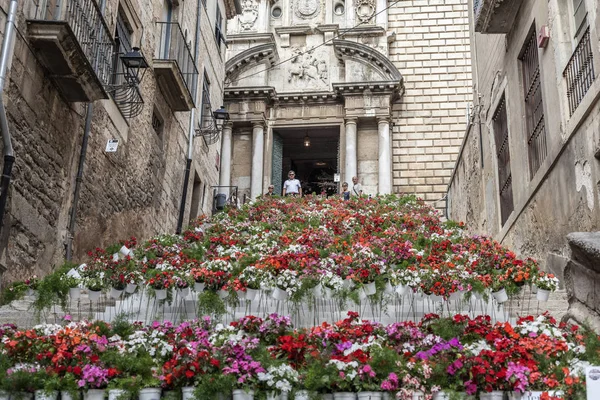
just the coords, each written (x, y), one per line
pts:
(580, 14)
(503, 157)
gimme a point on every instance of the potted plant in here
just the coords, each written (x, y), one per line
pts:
(161, 282)
(545, 283)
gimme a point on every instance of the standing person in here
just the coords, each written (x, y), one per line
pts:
(356, 187)
(292, 187)
(345, 191)
(270, 192)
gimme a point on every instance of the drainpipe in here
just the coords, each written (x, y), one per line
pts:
(9, 157)
(84, 145)
(190, 154)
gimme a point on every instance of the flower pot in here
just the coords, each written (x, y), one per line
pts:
(223, 294)
(344, 396)
(251, 294)
(44, 395)
(515, 396)
(149, 394)
(370, 288)
(500, 296)
(456, 296)
(130, 288)
(160, 294)
(199, 286)
(66, 395)
(388, 289)
(118, 394)
(369, 395)
(401, 289)
(125, 251)
(240, 394)
(348, 283)
(94, 394)
(537, 395)
(279, 294)
(183, 293)
(327, 396)
(94, 294)
(434, 298)
(115, 293)
(318, 291)
(327, 293)
(441, 395)
(240, 294)
(187, 392)
(418, 395)
(115, 257)
(74, 293)
(494, 395)
(302, 395)
(542, 294)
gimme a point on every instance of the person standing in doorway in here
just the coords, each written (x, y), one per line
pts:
(356, 187)
(270, 193)
(292, 187)
(345, 191)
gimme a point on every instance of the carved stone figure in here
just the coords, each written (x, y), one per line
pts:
(249, 14)
(307, 9)
(365, 9)
(305, 68)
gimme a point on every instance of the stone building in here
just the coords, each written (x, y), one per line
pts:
(68, 64)
(338, 88)
(528, 170)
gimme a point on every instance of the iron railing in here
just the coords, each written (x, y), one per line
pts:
(579, 72)
(534, 105)
(173, 46)
(85, 19)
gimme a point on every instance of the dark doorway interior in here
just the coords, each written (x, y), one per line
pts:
(313, 153)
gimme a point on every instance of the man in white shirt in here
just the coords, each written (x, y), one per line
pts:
(356, 188)
(292, 187)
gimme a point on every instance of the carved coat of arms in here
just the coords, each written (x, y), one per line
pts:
(307, 9)
(249, 14)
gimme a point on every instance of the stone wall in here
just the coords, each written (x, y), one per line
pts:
(133, 192)
(431, 50)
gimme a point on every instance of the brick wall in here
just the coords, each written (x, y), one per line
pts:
(431, 50)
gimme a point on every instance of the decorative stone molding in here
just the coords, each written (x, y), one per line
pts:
(364, 31)
(257, 54)
(329, 32)
(345, 49)
(308, 98)
(305, 69)
(307, 9)
(365, 10)
(247, 19)
(287, 31)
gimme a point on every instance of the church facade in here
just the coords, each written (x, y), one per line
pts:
(334, 89)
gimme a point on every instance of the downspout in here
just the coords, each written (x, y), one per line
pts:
(84, 145)
(190, 154)
(7, 150)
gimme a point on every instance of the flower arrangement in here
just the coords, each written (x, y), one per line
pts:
(546, 281)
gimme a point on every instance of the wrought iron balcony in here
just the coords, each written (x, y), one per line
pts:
(174, 67)
(495, 16)
(579, 73)
(73, 42)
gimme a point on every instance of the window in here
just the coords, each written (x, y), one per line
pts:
(580, 15)
(276, 12)
(197, 199)
(218, 28)
(503, 157)
(339, 8)
(534, 107)
(206, 109)
(157, 122)
(122, 45)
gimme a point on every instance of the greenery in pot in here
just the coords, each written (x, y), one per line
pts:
(53, 289)
(209, 386)
(14, 291)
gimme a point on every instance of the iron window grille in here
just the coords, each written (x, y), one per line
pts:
(579, 73)
(534, 105)
(503, 157)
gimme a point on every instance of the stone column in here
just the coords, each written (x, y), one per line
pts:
(258, 140)
(385, 156)
(225, 169)
(350, 168)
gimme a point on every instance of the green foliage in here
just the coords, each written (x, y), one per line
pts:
(53, 289)
(14, 291)
(209, 386)
(121, 326)
(209, 303)
(446, 328)
(317, 377)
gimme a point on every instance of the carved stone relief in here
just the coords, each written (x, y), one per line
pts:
(365, 9)
(249, 15)
(307, 71)
(307, 9)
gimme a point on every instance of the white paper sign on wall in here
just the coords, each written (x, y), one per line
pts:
(592, 381)
(336, 177)
(111, 145)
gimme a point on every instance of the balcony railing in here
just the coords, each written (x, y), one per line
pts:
(579, 72)
(172, 46)
(86, 34)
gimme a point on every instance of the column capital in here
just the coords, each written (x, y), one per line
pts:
(384, 119)
(350, 120)
(228, 124)
(258, 124)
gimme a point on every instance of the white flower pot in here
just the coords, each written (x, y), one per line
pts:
(348, 284)
(344, 396)
(130, 288)
(149, 394)
(434, 298)
(542, 294)
(494, 395)
(418, 395)
(160, 294)
(115, 257)
(279, 294)
(278, 396)
(327, 293)
(74, 293)
(370, 288)
(199, 286)
(456, 296)
(94, 394)
(369, 395)
(223, 294)
(116, 394)
(401, 289)
(125, 251)
(94, 294)
(362, 294)
(318, 291)
(241, 294)
(302, 395)
(66, 395)
(187, 392)
(500, 296)
(327, 396)
(251, 294)
(239, 394)
(388, 289)
(515, 396)
(441, 395)
(115, 293)
(183, 293)
(43, 395)
(536, 395)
